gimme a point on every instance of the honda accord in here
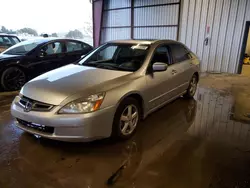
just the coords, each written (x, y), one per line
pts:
(108, 92)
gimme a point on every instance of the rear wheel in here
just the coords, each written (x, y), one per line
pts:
(13, 78)
(127, 118)
(192, 87)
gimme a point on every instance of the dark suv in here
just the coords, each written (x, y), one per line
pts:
(7, 41)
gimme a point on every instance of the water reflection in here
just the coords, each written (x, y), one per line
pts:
(214, 119)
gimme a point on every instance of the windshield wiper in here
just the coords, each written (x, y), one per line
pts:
(105, 66)
(115, 67)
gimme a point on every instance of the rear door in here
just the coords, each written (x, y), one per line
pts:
(182, 64)
(74, 50)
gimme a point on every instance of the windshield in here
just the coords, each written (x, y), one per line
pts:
(22, 48)
(124, 57)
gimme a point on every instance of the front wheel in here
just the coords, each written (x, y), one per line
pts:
(192, 87)
(13, 78)
(127, 118)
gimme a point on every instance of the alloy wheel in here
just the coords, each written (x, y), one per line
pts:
(129, 119)
(14, 79)
(193, 86)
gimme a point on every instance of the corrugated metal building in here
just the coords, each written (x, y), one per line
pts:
(213, 29)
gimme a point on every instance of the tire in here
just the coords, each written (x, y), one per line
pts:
(13, 78)
(192, 87)
(119, 130)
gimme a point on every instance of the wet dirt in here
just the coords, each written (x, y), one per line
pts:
(194, 143)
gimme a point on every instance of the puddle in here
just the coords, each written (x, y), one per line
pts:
(241, 108)
(222, 117)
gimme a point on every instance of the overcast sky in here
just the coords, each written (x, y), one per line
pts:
(45, 15)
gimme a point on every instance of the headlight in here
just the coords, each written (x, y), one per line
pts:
(17, 99)
(85, 105)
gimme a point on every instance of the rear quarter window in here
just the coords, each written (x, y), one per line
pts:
(8, 41)
(73, 46)
(16, 39)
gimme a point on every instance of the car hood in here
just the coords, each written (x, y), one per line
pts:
(10, 57)
(55, 86)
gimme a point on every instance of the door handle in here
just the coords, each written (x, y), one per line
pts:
(174, 72)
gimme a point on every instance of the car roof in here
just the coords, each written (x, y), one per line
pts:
(143, 41)
(5, 34)
(51, 39)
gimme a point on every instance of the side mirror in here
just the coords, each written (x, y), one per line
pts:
(159, 67)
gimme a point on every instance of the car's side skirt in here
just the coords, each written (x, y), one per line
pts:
(163, 104)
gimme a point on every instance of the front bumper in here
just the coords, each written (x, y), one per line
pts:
(66, 127)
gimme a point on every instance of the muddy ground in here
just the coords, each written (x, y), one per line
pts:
(198, 143)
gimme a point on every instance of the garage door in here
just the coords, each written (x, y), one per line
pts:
(140, 19)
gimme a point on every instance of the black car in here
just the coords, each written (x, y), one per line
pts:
(28, 59)
(7, 41)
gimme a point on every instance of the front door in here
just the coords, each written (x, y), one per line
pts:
(161, 86)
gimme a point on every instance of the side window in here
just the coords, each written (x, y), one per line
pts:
(179, 53)
(6, 42)
(161, 55)
(52, 48)
(76, 46)
(15, 40)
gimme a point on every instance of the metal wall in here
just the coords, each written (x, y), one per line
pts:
(223, 22)
(140, 19)
(165, 18)
(109, 34)
(156, 33)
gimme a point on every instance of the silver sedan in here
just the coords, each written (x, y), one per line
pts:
(108, 92)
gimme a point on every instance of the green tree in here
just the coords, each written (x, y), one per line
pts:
(8, 31)
(28, 30)
(4, 30)
(11, 32)
(75, 34)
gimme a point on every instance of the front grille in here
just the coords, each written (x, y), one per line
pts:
(36, 105)
(37, 127)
